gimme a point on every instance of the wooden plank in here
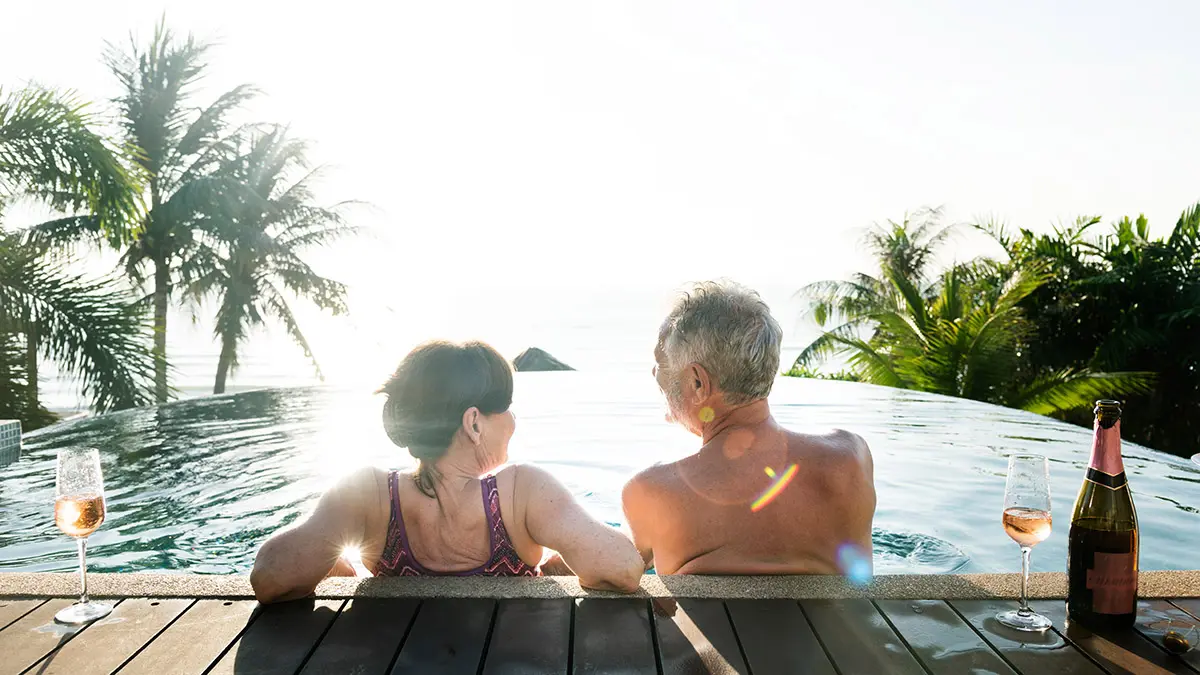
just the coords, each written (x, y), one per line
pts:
(1027, 652)
(11, 610)
(1118, 652)
(109, 642)
(858, 638)
(695, 636)
(613, 636)
(448, 637)
(531, 637)
(34, 636)
(195, 640)
(1189, 605)
(942, 641)
(776, 638)
(365, 637)
(1152, 613)
(279, 640)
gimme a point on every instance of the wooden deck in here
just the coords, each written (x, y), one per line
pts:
(364, 635)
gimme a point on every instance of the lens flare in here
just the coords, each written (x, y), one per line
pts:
(707, 415)
(855, 566)
(778, 483)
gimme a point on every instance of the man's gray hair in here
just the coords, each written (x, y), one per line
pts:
(728, 329)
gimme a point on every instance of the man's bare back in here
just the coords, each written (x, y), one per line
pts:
(756, 498)
(715, 512)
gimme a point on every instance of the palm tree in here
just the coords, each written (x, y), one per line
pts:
(181, 150)
(960, 333)
(253, 263)
(88, 327)
(49, 153)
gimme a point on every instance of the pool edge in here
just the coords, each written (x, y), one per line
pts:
(1042, 585)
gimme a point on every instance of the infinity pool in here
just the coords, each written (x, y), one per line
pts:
(196, 486)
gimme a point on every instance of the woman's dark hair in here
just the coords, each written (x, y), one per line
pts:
(427, 395)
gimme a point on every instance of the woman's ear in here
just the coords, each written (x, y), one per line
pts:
(471, 425)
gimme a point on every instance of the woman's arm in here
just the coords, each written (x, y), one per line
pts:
(292, 562)
(599, 555)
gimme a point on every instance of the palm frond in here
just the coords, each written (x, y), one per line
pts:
(1068, 389)
(209, 126)
(279, 308)
(50, 152)
(86, 326)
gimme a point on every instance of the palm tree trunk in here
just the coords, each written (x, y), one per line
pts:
(227, 351)
(31, 364)
(162, 281)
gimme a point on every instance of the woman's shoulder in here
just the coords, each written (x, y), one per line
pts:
(529, 482)
(363, 476)
(360, 483)
(522, 474)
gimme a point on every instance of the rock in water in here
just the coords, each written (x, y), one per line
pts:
(537, 359)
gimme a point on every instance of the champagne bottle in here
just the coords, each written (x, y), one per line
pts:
(1102, 549)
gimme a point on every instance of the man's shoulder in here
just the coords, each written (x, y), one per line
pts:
(835, 443)
(835, 449)
(650, 481)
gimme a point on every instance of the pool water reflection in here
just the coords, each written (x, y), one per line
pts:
(197, 485)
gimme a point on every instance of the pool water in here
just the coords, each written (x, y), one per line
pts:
(196, 486)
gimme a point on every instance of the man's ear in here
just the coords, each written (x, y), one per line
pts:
(701, 384)
(470, 424)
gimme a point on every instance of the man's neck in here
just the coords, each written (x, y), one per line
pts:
(747, 415)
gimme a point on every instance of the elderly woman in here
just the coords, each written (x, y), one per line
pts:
(448, 404)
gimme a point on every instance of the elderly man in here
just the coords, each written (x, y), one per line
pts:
(756, 498)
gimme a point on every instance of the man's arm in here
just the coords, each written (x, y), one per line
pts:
(292, 562)
(856, 488)
(637, 503)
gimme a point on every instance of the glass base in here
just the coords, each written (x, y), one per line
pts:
(1027, 621)
(83, 613)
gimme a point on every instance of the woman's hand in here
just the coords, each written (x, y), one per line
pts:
(291, 563)
(342, 568)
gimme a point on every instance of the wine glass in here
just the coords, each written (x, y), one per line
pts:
(78, 512)
(1027, 521)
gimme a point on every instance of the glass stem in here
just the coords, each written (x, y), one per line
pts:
(1024, 610)
(83, 598)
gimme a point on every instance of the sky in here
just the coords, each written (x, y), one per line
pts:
(510, 145)
(653, 142)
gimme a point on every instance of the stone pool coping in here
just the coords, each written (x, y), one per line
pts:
(1042, 585)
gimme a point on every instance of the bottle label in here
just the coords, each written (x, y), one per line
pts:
(1107, 480)
(1113, 583)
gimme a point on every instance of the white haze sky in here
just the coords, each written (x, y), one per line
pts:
(639, 143)
(654, 142)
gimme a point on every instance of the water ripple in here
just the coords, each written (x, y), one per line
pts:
(197, 485)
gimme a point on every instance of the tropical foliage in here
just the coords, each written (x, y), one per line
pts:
(252, 262)
(88, 328)
(961, 331)
(1119, 299)
(202, 206)
(182, 149)
(51, 154)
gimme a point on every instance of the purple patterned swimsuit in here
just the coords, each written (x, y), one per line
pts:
(398, 560)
